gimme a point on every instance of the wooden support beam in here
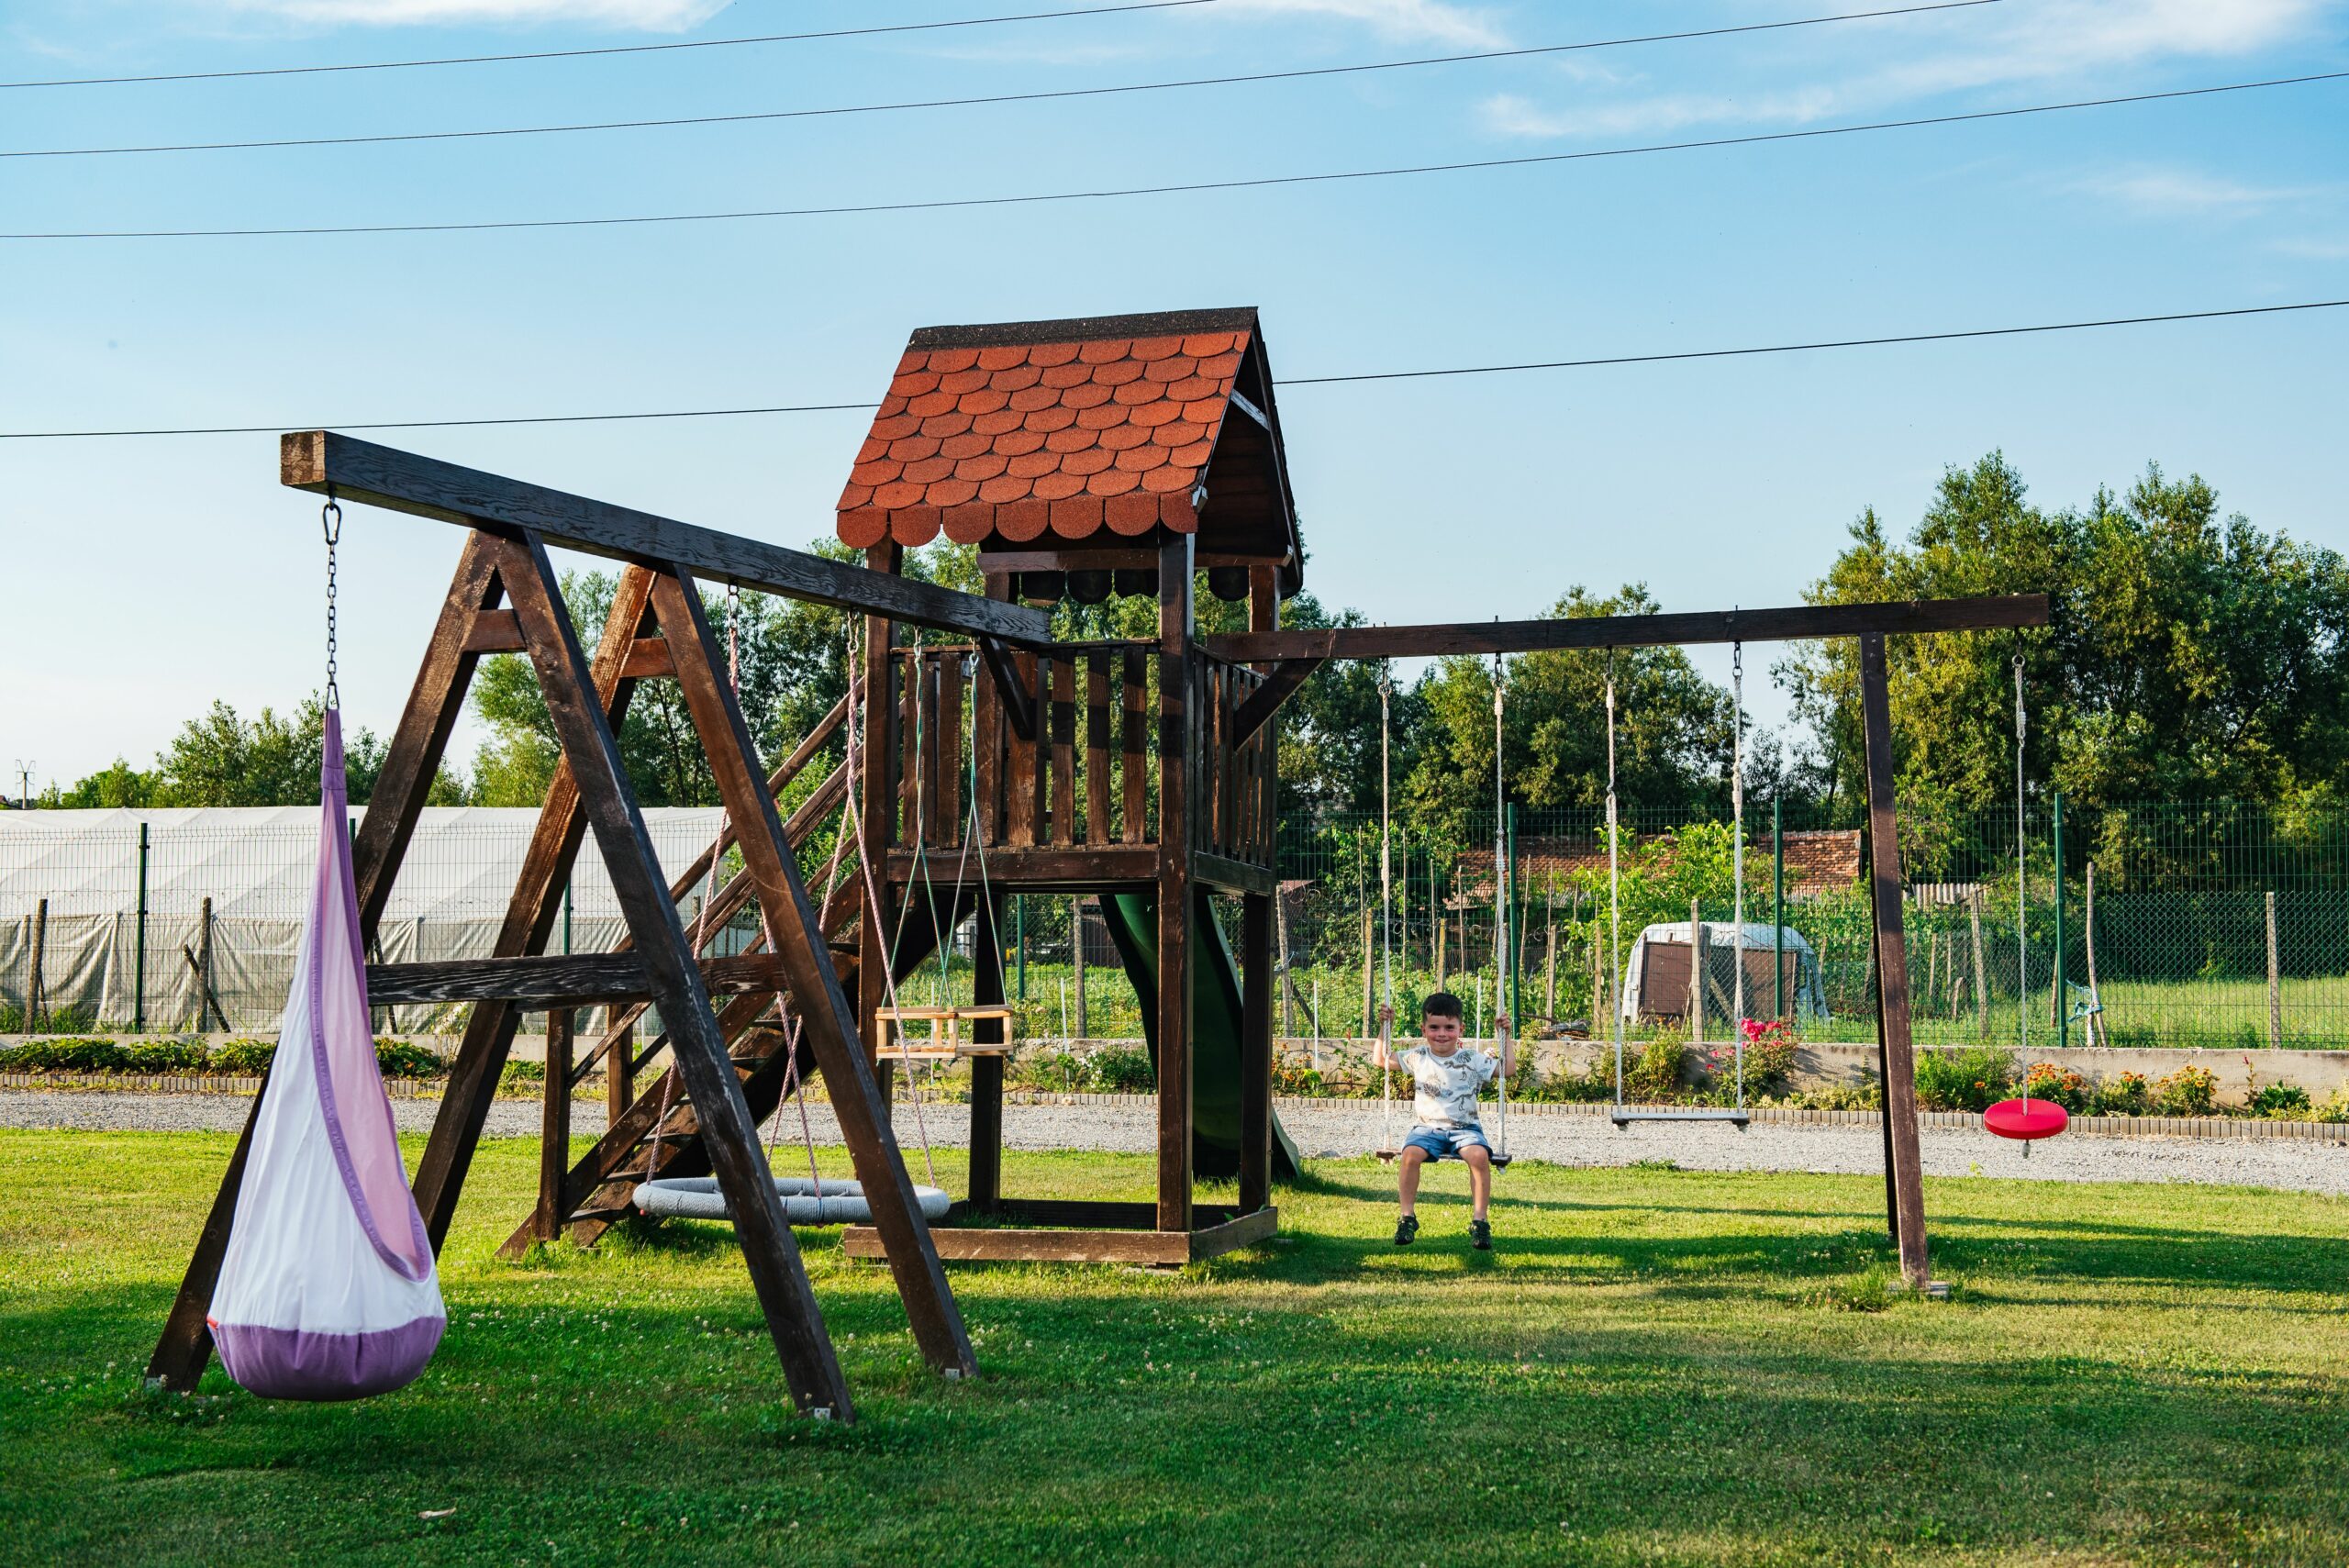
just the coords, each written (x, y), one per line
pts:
(1895, 1059)
(184, 1347)
(1177, 727)
(578, 980)
(609, 804)
(988, 988)
(435, 703)
(1019, 704)
(794, 931)
(1793, 622)
(1286, 675)
(1256, 959)
(354, 470)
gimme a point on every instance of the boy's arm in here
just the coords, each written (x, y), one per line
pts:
(1382, 1054)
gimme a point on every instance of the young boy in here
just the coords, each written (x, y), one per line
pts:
(1445, 1077)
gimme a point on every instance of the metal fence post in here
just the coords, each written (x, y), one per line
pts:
(2063, 1014)
(1019, 927)
(139, 967)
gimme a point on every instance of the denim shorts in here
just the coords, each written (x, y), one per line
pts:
(1446, 1142)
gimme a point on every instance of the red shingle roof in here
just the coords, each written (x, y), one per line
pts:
(1005, 433)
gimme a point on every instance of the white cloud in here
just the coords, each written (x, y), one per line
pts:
(2183, 191)
(1430, 20)
(2053, 40)
(640, 15)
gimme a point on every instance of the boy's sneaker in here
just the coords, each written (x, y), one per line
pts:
(1407, 1229)
(1480, 1234)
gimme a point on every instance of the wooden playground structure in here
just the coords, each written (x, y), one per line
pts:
(1128, 455)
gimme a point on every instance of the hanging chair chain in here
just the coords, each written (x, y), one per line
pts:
(330, 524)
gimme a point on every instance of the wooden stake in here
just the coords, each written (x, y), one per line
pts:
(1981, 981)
(554, 1127)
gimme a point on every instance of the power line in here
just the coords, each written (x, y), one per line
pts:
(987, 100)
(1608, 360)
(614, 49)
(1192, 187)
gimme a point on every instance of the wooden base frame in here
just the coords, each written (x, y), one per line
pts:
(1100, 1243)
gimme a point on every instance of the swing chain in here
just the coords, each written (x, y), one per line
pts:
(733, 636)
(330, 525)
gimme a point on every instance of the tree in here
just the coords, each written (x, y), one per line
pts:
(2190, 658)
(1672, 729)
(222, 760)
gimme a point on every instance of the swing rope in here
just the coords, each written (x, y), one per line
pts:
(1504, 892)
(2022, 889)
(1737, 855)
(1614, 886)
(1385, 910)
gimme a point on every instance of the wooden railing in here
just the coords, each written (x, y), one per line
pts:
(1086, 777)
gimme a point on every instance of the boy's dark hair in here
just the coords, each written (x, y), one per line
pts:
(1442, 1004)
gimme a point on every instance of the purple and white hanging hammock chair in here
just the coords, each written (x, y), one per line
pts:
(328, 1290)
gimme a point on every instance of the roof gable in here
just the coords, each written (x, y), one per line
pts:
(1107, 428)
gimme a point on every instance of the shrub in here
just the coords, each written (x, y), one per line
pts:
(165, 1056)
(1298, 1078)
(1867, 1096)
(2046, 1081)
(1653, 1077)
(62, 1056)
(2284, 1102)
(1593, 1084)
(2189, 1091)
(243, 1058)
(2125, 1093)
(402, 1059)
(1969, 1080)
(2335, 1108)
(1122, 1070)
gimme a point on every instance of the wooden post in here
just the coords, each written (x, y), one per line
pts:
(1696, 967)
(1076, 957)
(619, 1074)
(2087, 939)
(36, 1003)
(795, 934)
(1177, 725)
(609, 805)
(554, 1127)
(1256, 1053)
(1896, 1056)
(985, 1193)
(1981, 981)
(205, 996)
(2275, 983)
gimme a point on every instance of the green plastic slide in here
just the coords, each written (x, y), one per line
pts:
(1215, 1030)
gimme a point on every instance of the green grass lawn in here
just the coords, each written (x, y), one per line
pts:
(1658, 1367)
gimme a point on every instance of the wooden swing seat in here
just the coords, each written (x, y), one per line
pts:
(1624, 1115)
(945, 1041)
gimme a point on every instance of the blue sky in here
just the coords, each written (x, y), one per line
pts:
(148, 577)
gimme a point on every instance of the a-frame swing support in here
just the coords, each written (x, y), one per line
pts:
(504, 596)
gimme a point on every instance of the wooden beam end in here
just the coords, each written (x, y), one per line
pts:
(302, 458)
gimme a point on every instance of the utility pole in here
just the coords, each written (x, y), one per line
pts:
(25, 784)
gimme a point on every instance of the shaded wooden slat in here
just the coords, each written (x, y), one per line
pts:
(1797, 621)
(1256, 1053)
(989, 708)
(1016, 686)
(494, 632)
(384, 476)
(831, 1024)
(1097, 749)
(913, 737)
(1064, 797)
(606, 802)
(1134, 767)
(952, 813)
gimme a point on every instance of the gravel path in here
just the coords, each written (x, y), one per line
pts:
(1342, 1129)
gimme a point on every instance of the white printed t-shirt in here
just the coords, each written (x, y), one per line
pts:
(1446, 1086)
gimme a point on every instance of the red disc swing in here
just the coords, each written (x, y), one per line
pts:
(2024, 1119)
